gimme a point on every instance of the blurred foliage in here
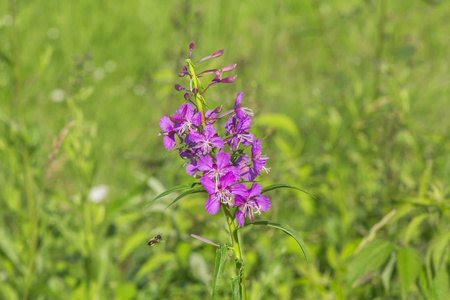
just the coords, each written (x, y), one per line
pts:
(351, 99)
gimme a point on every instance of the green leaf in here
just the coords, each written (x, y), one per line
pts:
(412, 227)
(280, 186)
(370, 258)
(192, 191)
(288, 230)
(408, 265)
(174, 189)
(441, 289)
(386, 276)
(221, 258)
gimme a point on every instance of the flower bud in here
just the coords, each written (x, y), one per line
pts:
(218, 53)
(191, 47)
(229, 79)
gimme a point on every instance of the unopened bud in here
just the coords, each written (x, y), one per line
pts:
(229, 79)
(218, 53)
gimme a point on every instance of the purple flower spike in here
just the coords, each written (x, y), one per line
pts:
(207, 140)
(219, 192)
(250, 202)
(168, 132)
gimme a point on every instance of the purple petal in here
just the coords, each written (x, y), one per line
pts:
(212, 205)
(239, 190)
(256, 148)
(209, 131)
(238, 200)
(217, 142)
(240, 218)
(197, 119)
(166, 124)
(222, 160)
(264, 203)
(205, 163)
(196, 137)
(169, 141)
(238, 99)
(255, 190)
(191, 168)
(228, 179)
(209, 184)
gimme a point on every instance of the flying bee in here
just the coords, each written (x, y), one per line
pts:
(155, 240)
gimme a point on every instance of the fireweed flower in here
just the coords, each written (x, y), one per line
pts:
(249, 202)
(219, 192)
(207, 140)
(220, 167)
(239, 128)
(185, 120)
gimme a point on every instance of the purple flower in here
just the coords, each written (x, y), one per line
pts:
(211, 115)
(207, 140)
(221, 191)
(249, 202)
(168, 132)
(238, 129)
(185, 120)
(259, 161)
(217, 169)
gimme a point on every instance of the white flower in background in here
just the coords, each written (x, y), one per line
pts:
(53, 33)
(99, 74)
(58, 95)
(98, 193)
(110, 66)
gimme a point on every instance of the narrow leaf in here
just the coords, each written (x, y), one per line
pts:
(192, 191)
(370, 258)
(174, 189)
(408, 265)
(386, 276)
(280, 186)
(221, 258)
(288, 230)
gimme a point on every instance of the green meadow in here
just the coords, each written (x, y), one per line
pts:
(351, 101)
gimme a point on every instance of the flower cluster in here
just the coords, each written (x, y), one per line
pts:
(221, 163)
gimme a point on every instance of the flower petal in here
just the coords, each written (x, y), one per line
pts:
(222, 160)
(169, 141)
(205, 163)
(263, 202)
(255, 190)
(239, 190)
(240, 218)
(166, 124)
(238, 99)
(209, 184)
(212, 205)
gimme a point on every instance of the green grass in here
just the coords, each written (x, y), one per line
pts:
(351, 99)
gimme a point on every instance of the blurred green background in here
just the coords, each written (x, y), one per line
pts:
(351, 100)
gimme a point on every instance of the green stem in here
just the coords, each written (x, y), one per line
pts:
(194, 83)
(236, 249)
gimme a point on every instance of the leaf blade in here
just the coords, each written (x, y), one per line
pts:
(221, 259)
(286, 229)
(287, 186)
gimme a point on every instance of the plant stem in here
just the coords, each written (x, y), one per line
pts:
(236, 249)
